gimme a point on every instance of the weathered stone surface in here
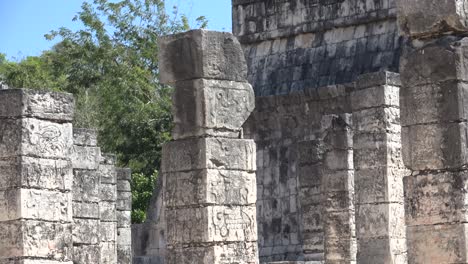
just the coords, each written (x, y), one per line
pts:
(437, 243)
(108, 192)
(85, 254)
(211, 107)
(37, 138)
(86, 186)
(86, 210)
(215, 224)
(85, 137)
(85, 157)
(436, 198)
(242, 253)
(108, 252)
(124, 201)
(107, 173)
(18, 204)
(86, 231)
(221, 187)
(201, 54)
(124, 174)
(35, 103)
(31, 238)
(124, 218)
(209, 153)
(434, 146)
(124, 254)
(420, 19)
(107, 211)
(35, 173)
(108, 231)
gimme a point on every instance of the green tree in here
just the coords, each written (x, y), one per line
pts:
(111, 67)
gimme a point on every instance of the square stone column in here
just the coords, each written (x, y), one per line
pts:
(124, 216)
(86, 182)
(108, 209)
(379, 170)
(338, 189)
(434, 128)
(209, 170)
(433, 101)
(36, 177)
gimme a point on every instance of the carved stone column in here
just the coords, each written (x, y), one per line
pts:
(434, 129)
(36, 177)
(379, 170)
(209, 170)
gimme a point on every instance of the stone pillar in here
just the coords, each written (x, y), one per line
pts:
(379, 170)
(434, 130)
(209, 170)
(108, 209)
(338, 189)
(35, 177)
(124, 212)
(86, 220)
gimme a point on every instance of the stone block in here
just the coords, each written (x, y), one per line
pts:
(107, 211)
(378, 96)
(436, 198)
(124, 201)
(34, 103)
(108, 253)
(35, 204)
(108, 192)
(377, 120)
(124, 218)
(386, 220)
(434, 103)
(86, 186)
(380, 154)
(86, 254)
(34, 137)
(337, 181)
(379, 185)
(107, 174)
(209, 153)
(339, 160)
(123, 186)
(124, 254)
(85, 210)
(124, 236)
(431, 18)
(434, 146)
(339, 225)
(211, 107)
(382, 250)
(124, 174)
(85, 137)
(85, 157)
(86, 231)
(442, 244)
(211, 224)
(34, 173)
(201, 54)
(377, 79)
(203, 187)
(33, 261)
(434, 63)
(244, 252)
(38, 239)
(340, 251)
(108, 231)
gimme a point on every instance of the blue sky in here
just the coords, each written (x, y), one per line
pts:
(23, 23)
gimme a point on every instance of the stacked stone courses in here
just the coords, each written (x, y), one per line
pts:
(51, 193)
(124, 211)
(434, 129)
(304, 44)
(35, 177)
(86, 198)
(209, 170)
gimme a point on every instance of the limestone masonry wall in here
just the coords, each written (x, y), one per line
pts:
(294, 45)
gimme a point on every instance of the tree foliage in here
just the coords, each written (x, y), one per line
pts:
(111, 67)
